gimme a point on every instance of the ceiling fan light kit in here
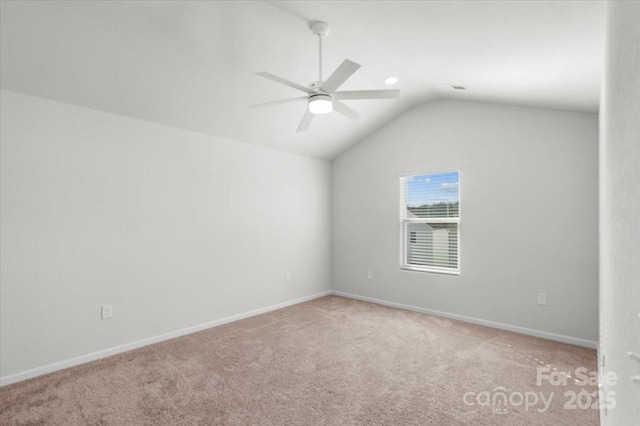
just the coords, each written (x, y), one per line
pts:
(320, 104)
(322, 95)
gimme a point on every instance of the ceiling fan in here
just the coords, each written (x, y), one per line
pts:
(322, 95)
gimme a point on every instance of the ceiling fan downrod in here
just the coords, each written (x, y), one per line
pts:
(321, 29)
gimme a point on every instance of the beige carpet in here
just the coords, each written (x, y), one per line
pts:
(331, 361)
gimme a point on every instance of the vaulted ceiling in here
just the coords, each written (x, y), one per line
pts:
(192, 64)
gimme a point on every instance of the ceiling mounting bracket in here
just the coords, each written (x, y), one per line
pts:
(320, 28)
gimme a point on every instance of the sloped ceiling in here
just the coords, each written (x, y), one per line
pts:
(192, 64)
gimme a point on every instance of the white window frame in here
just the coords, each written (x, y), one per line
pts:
(405, 221)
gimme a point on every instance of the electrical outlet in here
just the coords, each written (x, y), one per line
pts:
(369, 275)
(288, 277)
(542, 299)
(107, 311)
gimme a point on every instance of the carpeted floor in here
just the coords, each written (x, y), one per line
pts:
(331, 361)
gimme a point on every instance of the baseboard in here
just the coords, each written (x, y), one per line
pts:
(50, 368)
(508, 327)
(39, 371)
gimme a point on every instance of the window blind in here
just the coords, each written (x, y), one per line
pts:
(430, 215)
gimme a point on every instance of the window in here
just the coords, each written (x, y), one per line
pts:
(430, 216)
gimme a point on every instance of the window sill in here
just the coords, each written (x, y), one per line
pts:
(431, 270)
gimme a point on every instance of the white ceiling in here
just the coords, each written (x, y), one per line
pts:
(192, 64)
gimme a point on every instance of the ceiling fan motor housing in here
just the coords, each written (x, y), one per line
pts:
(320, 96)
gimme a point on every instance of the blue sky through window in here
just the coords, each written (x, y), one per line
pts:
(433, 188)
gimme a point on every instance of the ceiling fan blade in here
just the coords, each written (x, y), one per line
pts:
(285, 82)
(282, 101)
(339, 76)
(344, 109)
(367, 94)
(306, 120)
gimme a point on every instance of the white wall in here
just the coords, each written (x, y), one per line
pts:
(620, 210)
(529, 206)
(173, 228)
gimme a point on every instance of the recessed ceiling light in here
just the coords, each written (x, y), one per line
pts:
(391, 80)
(459, 87)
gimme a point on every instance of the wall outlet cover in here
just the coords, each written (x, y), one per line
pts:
(107, 311)
(542, 299)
